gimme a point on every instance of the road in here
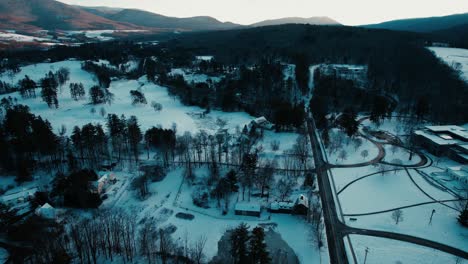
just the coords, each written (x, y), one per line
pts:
(333, 226)
(336, 230)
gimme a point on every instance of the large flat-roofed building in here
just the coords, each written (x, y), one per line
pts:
(449, 140)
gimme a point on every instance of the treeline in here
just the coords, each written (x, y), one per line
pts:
(260, 90)
(398, 63)
(27, 142)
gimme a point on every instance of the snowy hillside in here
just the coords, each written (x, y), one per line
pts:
(72, 113)
(455, 58)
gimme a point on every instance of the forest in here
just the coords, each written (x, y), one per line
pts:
(398, 64)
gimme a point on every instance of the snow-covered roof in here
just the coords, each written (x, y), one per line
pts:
(303, 200)
(21, 194)
(247, 207)
(103, 178)
(456, 130)
(47, 206)
(204, 58)
(260, 120)
(435, 138)
(46, 211)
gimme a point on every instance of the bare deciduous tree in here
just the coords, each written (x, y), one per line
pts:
(198, 247)
(397, 216)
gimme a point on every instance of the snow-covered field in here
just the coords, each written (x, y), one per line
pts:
(388, 251)
(349, 151)
(455, 58)
(6, 36)
(99, 34)
(398, 155)
(379, 192)
(71, 113)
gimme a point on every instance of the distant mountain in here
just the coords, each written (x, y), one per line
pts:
(153, 20)
(50, 15)
(424, 25)
(457, 36)
(297, 20)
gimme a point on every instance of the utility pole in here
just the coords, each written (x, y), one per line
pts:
(365, 257)
(432, 214)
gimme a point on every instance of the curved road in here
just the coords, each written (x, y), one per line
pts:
(338, 231)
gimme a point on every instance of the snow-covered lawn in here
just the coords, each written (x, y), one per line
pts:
(38, 71)
(430, 189)
(398, 155)
(455, 58)
(343, 176)
(388, 251)
(444, 227)
(343, 150)
(285, 140)
(377, 192)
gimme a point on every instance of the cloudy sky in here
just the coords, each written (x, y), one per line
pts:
(349, 12)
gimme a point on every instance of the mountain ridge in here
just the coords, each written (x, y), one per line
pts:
(424, 24)
(316, 20)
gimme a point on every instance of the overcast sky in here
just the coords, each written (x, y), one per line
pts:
(349, 12)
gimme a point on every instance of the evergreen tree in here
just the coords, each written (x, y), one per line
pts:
(49, 90)
(77, 91)
(257, 247)
(463, 217)
(239, 238)
(349, 122)
(134, 135)
(27, 87)
(379, 109)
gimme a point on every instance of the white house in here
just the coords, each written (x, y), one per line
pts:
(262, 122)
(46, 211)
(299, 206)
(102, 183)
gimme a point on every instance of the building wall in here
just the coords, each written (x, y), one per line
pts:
(248, 213)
